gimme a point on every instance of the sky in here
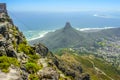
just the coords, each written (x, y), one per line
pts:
(62, 5)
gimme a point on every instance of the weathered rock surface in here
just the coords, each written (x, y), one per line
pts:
(13, 74)
(13, 45)
(42, 50)
(48, 73)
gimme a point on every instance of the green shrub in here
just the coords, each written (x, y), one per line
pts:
(33, 77)
(32, 67)
(33, 58)
(4, 66)
(5, 70)
(5, 63)
(22, 47)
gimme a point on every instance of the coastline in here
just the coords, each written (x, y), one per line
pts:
(35, 34)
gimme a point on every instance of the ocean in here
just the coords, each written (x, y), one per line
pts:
(36, 24)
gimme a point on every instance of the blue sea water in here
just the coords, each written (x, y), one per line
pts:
(36, 24)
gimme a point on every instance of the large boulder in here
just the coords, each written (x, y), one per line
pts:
(48, 73)
(41, 49)
(2, 51)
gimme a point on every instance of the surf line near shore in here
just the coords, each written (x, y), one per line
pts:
(36, 34)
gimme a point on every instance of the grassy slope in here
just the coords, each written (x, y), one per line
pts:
(96, 67)
(66, 38)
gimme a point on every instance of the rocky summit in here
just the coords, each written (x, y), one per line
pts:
(67, 26)
(20, 61)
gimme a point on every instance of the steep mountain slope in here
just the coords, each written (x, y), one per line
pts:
(69, 37)
(96, 67)
(102, 43)
(20, 61)
(65, 37)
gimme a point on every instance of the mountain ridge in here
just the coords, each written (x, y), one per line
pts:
(37, 62)
(27, 62)
(104, 43)
(75, 38)
(66, 36)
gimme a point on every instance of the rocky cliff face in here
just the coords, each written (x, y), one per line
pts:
(13, 46)
(27, 62)
(10, 37)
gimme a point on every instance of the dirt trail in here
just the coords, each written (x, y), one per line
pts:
(99, 70)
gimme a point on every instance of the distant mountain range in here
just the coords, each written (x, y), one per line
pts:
(104, 43)
(20, 61)
(68, 37)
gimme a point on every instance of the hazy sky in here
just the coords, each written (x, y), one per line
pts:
(62, 5)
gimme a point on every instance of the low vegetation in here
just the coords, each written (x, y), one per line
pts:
(6, 62)
(96, 67)
(33, 77)
(32, 67)
(23, 47)
(33, 58)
